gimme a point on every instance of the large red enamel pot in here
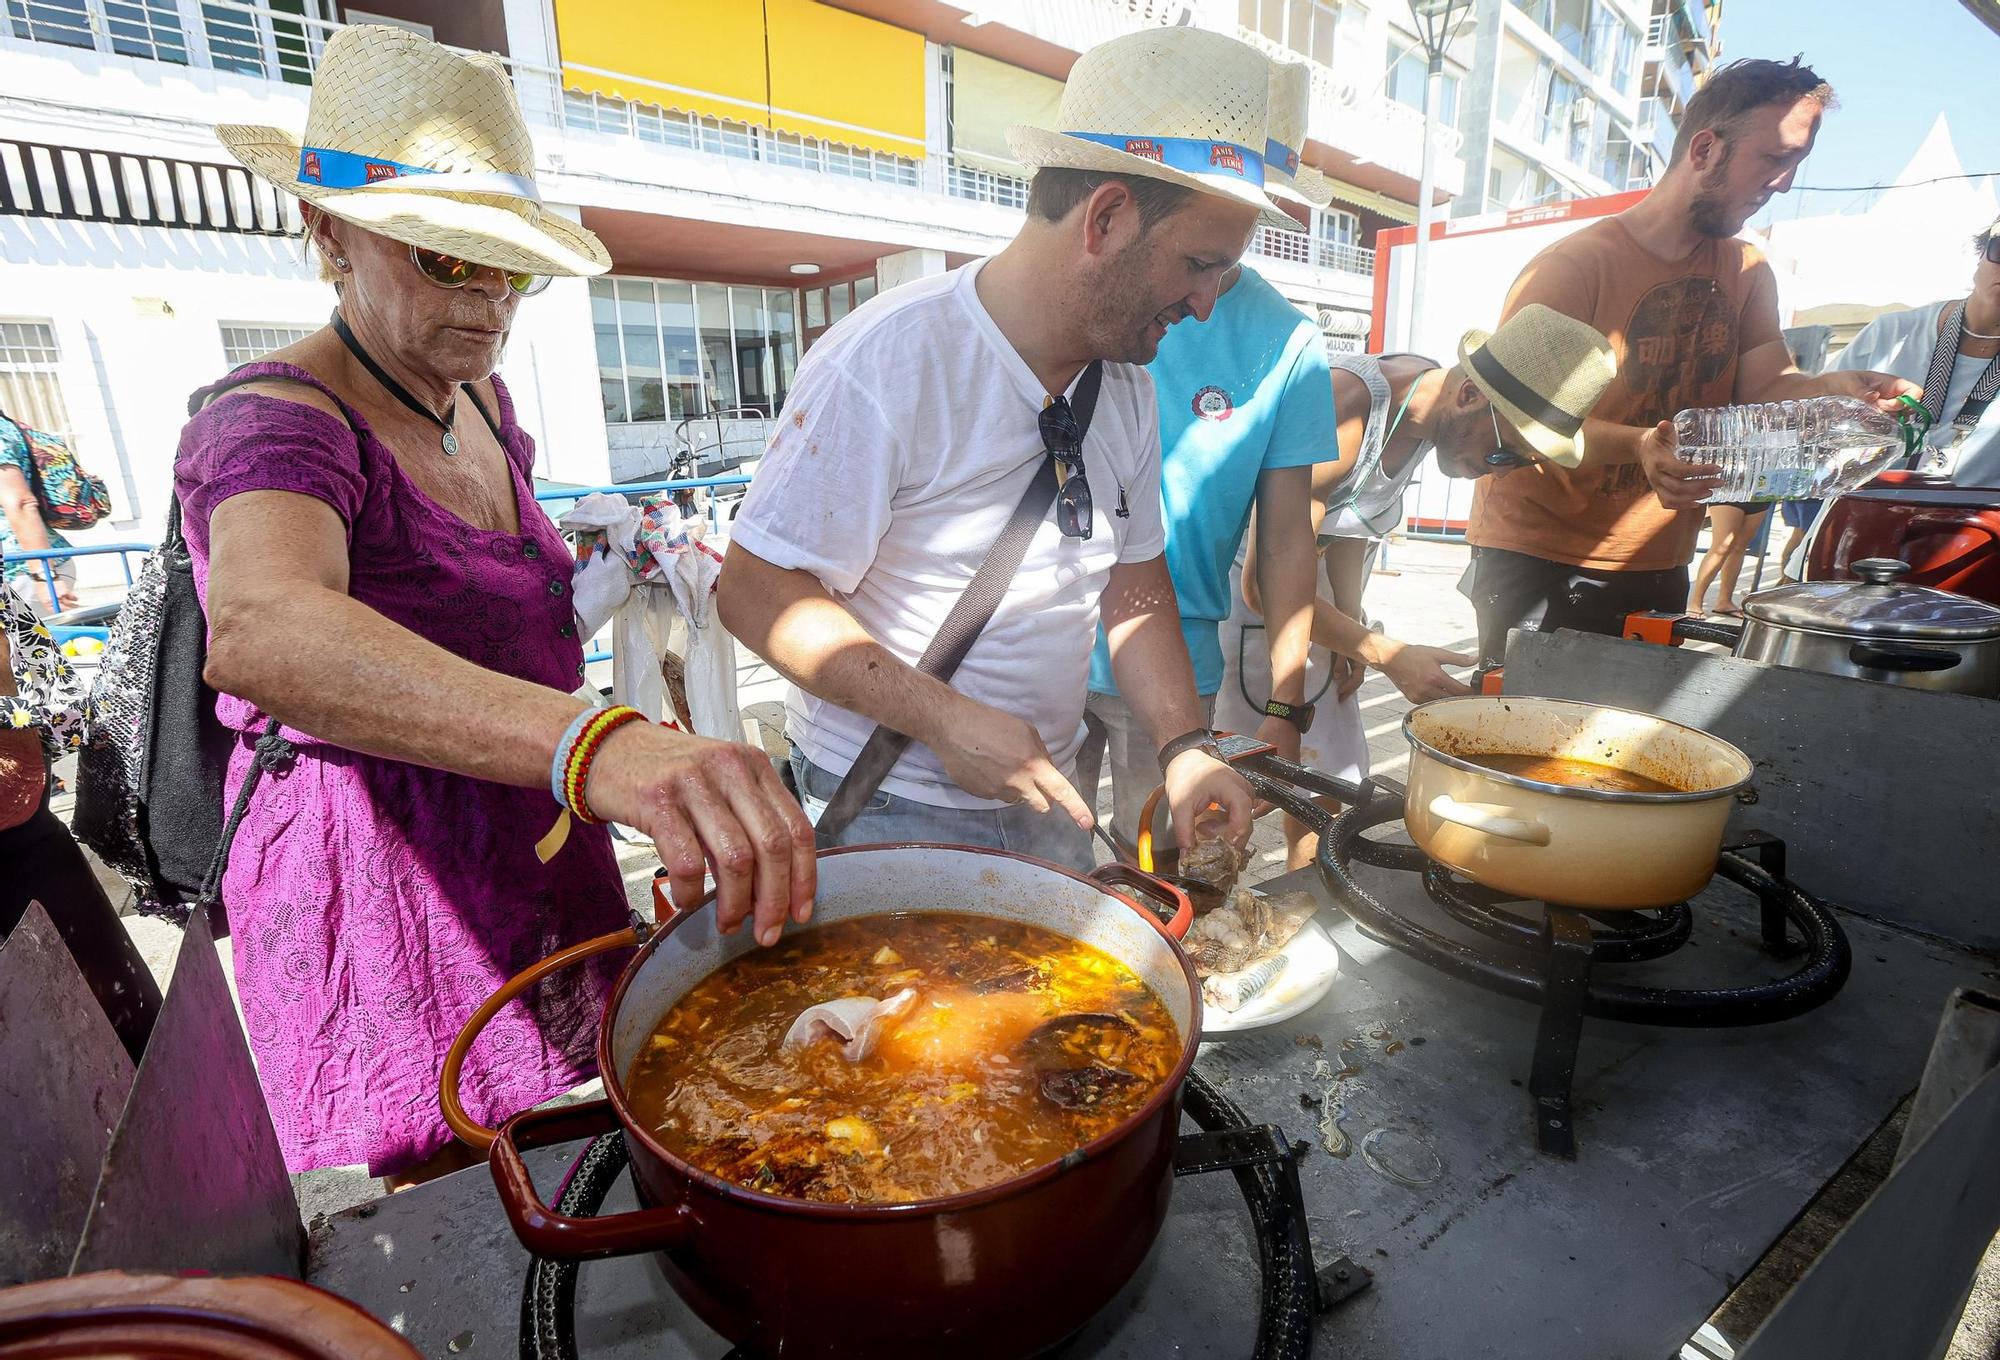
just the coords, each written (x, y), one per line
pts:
(1008, 1270)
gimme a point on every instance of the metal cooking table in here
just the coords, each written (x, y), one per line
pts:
(1697, 1149)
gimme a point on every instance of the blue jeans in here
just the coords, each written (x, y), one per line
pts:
(1050, 835)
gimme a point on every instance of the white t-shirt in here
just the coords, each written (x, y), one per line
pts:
(910, 435)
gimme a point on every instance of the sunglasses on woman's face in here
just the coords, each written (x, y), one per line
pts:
(448, 271)
(1993, 249)
(1061, 442)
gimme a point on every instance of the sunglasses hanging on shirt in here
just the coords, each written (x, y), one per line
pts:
(1062, 442)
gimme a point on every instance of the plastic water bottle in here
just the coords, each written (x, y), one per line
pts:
(1790, 450)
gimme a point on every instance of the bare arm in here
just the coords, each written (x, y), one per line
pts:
(788, 618)
(285, 635)
(1149, 660)
(24, 520)
(1286, 568)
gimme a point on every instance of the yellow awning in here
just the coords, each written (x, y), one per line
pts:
(1357, 197)
(989, 96)
(845, 78)
(817, 71)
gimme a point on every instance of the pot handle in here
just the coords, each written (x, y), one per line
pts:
(462, 1124)
(559, 1237)
(1876, 657)
(1490, 818)
(1179, 913)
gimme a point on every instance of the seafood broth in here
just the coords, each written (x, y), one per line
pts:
(1578, 774)
(1022, 1045)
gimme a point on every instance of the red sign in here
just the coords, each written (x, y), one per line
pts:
(1227, 157)
(1147, 147)
(311, 167)
(374, 170)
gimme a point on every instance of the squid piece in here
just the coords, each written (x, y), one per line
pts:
(856, 1021)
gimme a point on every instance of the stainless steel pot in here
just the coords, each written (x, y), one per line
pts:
(1878, 629)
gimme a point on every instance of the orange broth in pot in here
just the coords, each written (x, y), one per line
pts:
(1022, 1045)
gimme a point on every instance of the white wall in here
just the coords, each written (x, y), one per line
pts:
(137, 314)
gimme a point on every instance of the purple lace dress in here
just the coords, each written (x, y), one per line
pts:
(373, 903)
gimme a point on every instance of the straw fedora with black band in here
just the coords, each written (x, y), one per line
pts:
(1544, 372)
(424, 145)
(1182, 105)
(1291, 108)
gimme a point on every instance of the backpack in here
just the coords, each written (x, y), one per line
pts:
(70, 498)
(150, 779)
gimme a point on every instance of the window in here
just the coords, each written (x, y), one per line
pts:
(1613, 46)
(1305, 26)
(1567, 21)
(29, 391)
(668, 350)
(131, 28)
(1337, 226)
(249, 342)
(1407, 72)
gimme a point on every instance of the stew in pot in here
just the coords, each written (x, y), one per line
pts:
(1020, 1046)
(1578, 774)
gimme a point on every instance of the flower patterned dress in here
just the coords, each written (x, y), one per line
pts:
(375, 903)
(52, 698)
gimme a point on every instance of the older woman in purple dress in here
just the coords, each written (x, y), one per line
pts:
(378, 577)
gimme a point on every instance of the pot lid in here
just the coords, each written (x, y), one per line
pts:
(1876, 606)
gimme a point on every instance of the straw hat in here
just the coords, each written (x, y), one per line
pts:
(1285, 138)
(1182, 105)
(1544, 372)
(425, 146)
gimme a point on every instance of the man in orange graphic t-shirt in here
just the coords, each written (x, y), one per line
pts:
(1692, 315)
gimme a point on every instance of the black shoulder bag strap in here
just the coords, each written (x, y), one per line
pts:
(273, 750)
(969, 615)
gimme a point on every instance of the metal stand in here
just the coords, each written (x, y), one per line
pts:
(1566, 937)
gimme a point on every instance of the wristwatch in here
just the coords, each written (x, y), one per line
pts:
(1298, 715)
(1199, 739)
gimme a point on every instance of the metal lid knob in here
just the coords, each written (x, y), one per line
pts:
(1879, 571)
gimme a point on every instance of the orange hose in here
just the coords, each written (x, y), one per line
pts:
(462, 1124)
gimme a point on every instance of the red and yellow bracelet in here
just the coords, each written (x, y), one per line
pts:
(582, 754)
(569, 772)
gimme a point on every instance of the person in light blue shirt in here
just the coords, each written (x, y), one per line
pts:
(1246, 409)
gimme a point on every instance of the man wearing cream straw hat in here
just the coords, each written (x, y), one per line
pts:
(378, 579)
(930, 419)
(1245, 411)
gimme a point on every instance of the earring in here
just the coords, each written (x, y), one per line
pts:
(340, 263)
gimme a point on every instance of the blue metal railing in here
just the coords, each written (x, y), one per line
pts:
(546, 498)
(64, 554)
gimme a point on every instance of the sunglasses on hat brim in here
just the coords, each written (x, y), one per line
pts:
(449, 271)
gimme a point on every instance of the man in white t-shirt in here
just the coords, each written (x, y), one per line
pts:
(913, 430)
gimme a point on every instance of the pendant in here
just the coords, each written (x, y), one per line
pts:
(450, 442)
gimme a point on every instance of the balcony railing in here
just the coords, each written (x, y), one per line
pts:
(1298, 247)
(984, 186)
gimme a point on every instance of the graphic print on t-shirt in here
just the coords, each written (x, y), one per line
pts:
(1212, 403)
(1680, 338)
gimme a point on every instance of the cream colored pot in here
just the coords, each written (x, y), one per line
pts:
(1554, 842)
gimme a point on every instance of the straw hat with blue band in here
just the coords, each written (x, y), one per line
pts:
(424, 145)
(1182, 105)
(1291, 106)
(1544, 372)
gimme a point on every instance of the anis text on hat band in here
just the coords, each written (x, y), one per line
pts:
(1189, 155)
(345, 170)
(1281, 157)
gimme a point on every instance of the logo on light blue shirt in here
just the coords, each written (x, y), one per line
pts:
(1212, 403)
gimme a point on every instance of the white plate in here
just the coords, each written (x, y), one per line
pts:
(1311, 965)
